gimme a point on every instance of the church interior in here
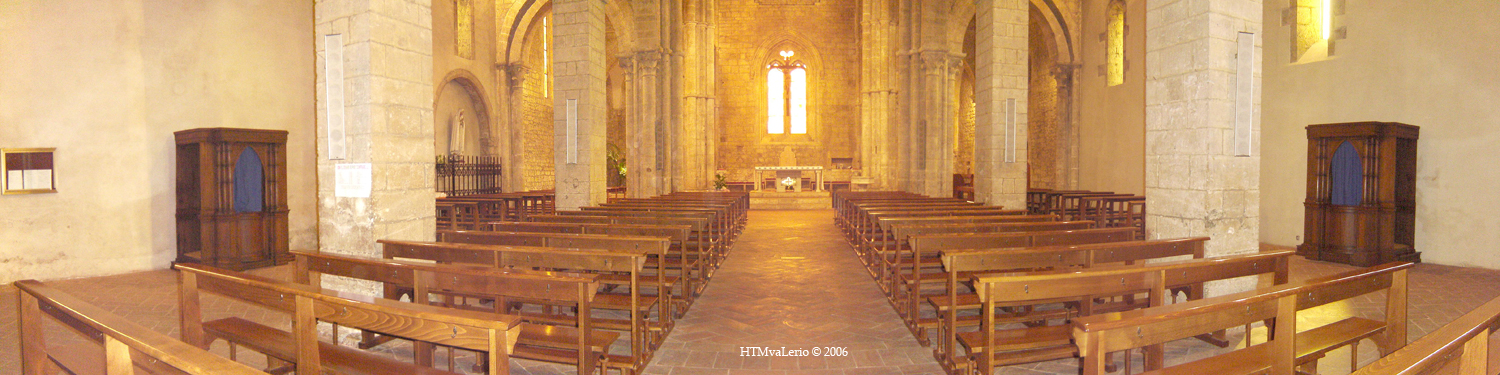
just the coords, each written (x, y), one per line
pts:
(748, 186)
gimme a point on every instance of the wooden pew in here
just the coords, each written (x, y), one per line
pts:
(557, 259)
(719, 224)
(896, 250)
(1459, 347)
(877, 233)
(655, 247)
(493, 334)
(126, 347)
(681, 254)
(716, 230)
(1033, 344)
(927, 248)
(961, 265)
(1287, 348)
(701, 243)
(545, 337)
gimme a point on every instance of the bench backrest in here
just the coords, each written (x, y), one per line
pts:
(675, 233)
(886, 223)
(902, 231)
(484, 332)
(1071, 255)
(652, 245)
(126, 344)
(1461, 346)
(943, 242)
(1112, 332)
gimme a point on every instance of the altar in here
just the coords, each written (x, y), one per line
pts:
(794, 173)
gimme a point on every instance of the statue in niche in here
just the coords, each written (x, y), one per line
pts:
(456, 133)
(788, 157)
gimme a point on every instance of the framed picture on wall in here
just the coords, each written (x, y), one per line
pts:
(27, 170)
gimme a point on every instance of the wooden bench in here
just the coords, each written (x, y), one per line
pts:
(655, 247)
(961, 265)
(700, 243)
(925, 251)
(1286, 349)
(1459, 347)
(991, 346)
(493, 334)
(565, 260)
(893, 251)
(682, 255)
(550, 337)
(880, 233)
(127, 347)
(715, 233)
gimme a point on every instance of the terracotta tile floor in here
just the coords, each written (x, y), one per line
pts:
(791, 283)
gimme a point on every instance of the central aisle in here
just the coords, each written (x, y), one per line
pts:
(791, 281)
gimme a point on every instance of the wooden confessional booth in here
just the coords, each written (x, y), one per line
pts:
(1361, 193)
(231, 197)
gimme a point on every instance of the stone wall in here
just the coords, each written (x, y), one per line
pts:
(537, 112)
(749, 34)
(106, 83)
(1044, 138)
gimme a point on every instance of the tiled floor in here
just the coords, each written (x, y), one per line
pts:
(790, 282)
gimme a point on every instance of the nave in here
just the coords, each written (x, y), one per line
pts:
(790, 281)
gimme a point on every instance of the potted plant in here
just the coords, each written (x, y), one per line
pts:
(721, 183)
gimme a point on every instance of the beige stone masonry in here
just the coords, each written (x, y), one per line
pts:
(1195, 186)
(578, 61)
(387, 54)
(1000, 73)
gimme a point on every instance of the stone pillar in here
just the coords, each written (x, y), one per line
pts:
(515, 144)
(878, 92)
(1000, 75)
(699, 123)
(1195, 185)
(387, 65)
(578, 60)
(643, 172)
(936, 92)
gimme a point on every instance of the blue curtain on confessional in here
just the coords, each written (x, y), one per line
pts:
(249, 183)
(1347, 176)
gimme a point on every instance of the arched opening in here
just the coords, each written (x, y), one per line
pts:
(1045, 139)
(249, 182)
(461, 118)
(1347, 176)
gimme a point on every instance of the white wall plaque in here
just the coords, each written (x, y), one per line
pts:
(352, 180)
(1244, 95)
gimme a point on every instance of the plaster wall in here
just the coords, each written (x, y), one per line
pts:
(106, 83)
(1403, 61)
(1112, 126)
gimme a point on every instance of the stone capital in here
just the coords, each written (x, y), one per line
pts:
(516, 72)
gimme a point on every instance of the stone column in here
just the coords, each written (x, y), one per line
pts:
(1195, 185)
(578, 59)
(387, 65)
(644, 157)
(878, 92)
(515, 144)
(1000, 76)
(936, 92)
(698, 121)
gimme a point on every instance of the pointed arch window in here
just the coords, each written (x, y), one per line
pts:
(786, 96)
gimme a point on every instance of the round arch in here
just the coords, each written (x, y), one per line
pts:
(966, 10)
(467, 83)
(522, 14)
